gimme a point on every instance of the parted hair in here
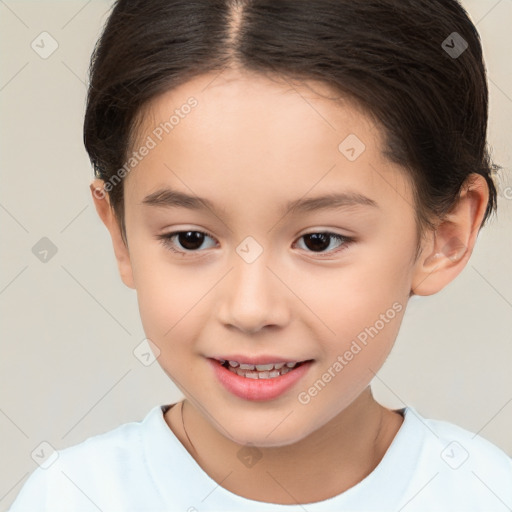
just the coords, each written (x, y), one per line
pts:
(391, 58)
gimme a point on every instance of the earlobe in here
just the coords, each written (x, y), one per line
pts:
(448, 249)
(106, 213)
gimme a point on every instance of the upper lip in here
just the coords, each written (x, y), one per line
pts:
(262, 359)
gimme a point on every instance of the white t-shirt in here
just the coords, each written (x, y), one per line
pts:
(142, 466)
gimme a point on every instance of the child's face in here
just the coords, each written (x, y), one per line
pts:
(249, 147)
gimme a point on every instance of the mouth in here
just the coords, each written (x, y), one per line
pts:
(260, 371)
(260, 380)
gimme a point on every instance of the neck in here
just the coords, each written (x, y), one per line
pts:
(325, 463)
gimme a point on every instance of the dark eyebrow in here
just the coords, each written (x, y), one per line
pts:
(334, 200)
(174, 199)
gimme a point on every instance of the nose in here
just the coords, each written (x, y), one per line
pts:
(253, 296)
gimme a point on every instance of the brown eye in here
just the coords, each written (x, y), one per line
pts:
(184, 241)
(317, 241)
(320, 242)
(190, 240)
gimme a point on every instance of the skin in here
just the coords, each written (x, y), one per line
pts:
(249, 146)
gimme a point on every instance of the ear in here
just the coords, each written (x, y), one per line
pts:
(448, 248)
(105, 211)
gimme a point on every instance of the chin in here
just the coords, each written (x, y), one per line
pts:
(268, 435)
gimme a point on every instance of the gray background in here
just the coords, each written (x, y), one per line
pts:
(70, 326)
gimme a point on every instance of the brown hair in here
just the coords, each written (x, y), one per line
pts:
(396, 59)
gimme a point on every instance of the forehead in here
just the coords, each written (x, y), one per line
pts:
(264, 102)
(253, 136)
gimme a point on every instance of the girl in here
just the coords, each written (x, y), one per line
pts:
(278, 179)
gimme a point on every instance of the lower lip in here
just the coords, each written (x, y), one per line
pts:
(258, 389)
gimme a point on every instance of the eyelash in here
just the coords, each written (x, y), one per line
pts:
(166, 240)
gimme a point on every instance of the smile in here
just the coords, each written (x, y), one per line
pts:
(259, 371)
(258, 382)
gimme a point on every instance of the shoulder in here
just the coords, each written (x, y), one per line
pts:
(97, 470)
(109, 451)
(459, 467)
(458, 445)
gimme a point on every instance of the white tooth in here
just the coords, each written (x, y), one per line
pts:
(233, 364)
(246, 366)
(278, 366)
(260, 375)
(222, 361)
(291, 365)
(264, 367)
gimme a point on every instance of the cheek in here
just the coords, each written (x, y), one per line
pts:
(362, 306)
(170, 321)
(366, 328)
(365, 332)
(169, 299)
